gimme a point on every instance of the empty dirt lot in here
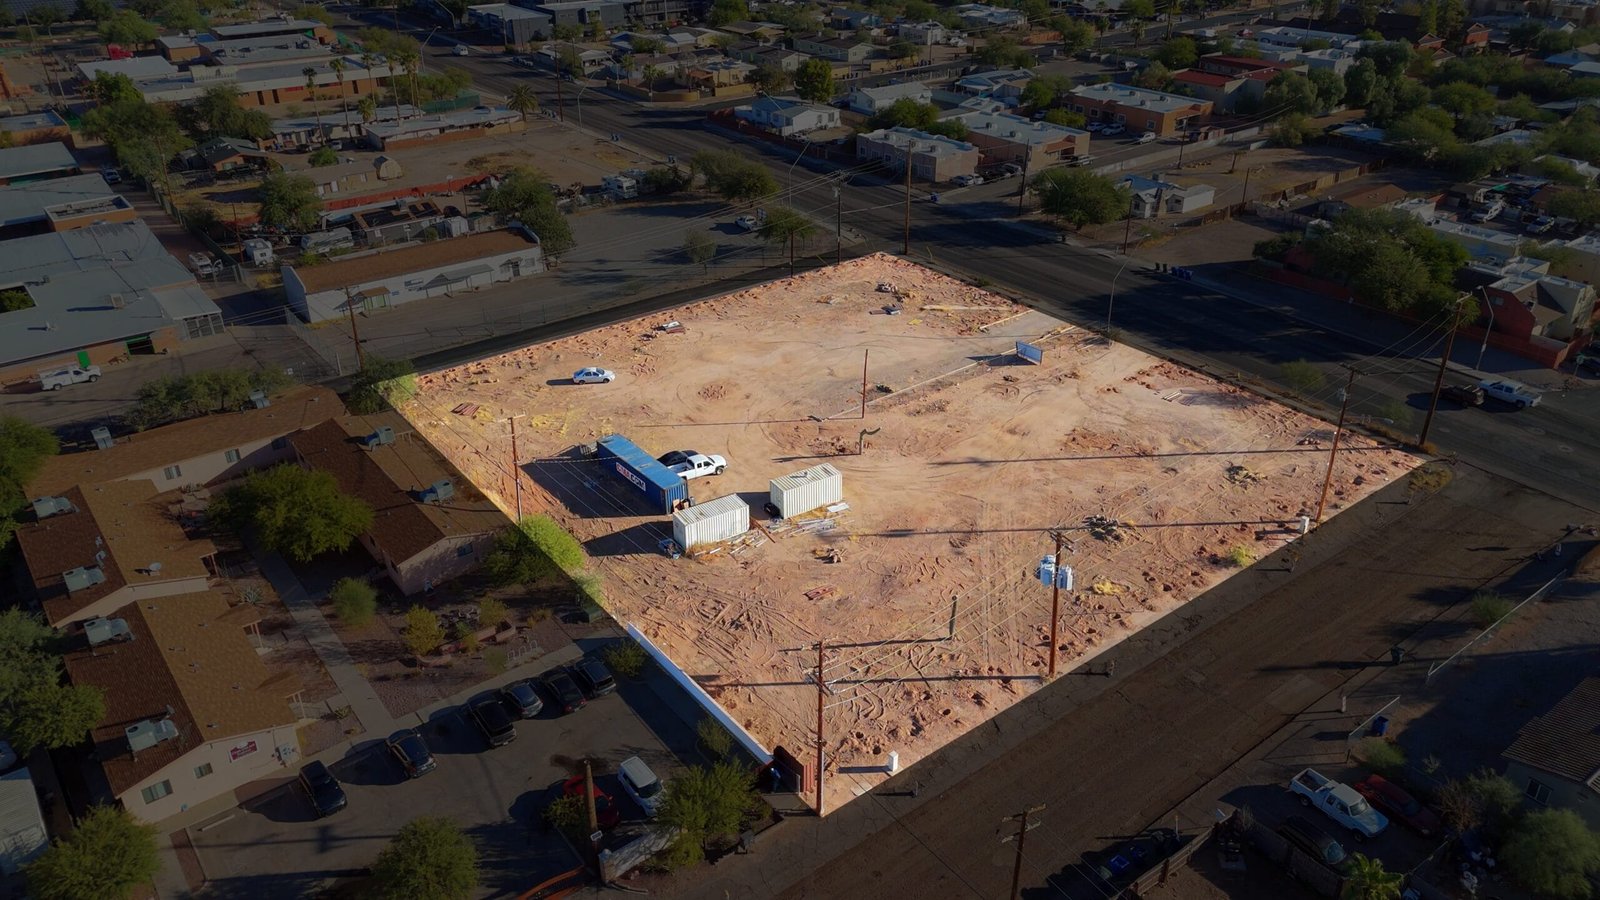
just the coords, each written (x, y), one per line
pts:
(936, 618)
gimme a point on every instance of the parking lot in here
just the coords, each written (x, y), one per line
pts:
(274, 846)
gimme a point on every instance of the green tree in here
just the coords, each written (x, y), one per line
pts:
(734, 177)
(381, 384)
(24, 448)
(533, 550)
(1080, 197)
(423, 633)
(1330, 89)
(182, 15)
(289, 201)
(129, 28)
(1291, 92)
(355, 601)
(1045, 90)
(1553, 852)
(1583, 206)
(814, 81)
(769, 78)
(298, 512)
(1178, 53)
(92, 10)
(1155, 76)
(524, 196)
(522, 99)
(1076, 36)
(650, 76)
(1004, 52)
(906, 113)
(107, 856)
(430, 859)
(700, 248)
(1462, 99)
(709, 805)
(1291, 130)
(665, 180)
(1139, 9)
(36, 708)
(724, 12)
(1063, 117)
(323, 156)
(786, 225)
(15, 300)
(1360, 80)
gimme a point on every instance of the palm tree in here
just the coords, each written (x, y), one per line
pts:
(651, 74)
(310, 73)
(408, 60)
(785, 223)
(1367, 879)
(338, 72)
(522, 99)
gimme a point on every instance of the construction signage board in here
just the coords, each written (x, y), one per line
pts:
(1030, 353)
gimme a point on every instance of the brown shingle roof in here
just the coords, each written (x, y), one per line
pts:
(121, 518)
(186, 656)
(1566, 740)
(168, 444)
(432, 255)
(388, 479)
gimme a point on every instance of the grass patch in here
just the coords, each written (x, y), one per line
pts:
(1240, 557)
(1302, 377)
(1489, 607)
(1382, 755)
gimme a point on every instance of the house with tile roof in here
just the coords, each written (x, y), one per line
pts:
(1555, 760)
(191, 711)
(430, 524)
(94, 548)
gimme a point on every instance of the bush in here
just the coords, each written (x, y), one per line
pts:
(1275, 247)
(1382, 756)
(354, 601)
(423, 632)
(1302, 376)
(323, 156)
(491, 611)
(381, 384)
(590, 588)
(535, 549)
(1240, 557)
(570, 814)
(716, 739)
(1489, 607)
(626, 658)
(1554, 853)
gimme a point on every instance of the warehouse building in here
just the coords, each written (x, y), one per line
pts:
(36, 162)
(60, 204)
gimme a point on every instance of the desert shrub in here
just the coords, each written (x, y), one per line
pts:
(1240, 557)
(1383, 756)
(626, 658)
(1489, 607)
(716, 739)
(354, 601)
(1302, 376)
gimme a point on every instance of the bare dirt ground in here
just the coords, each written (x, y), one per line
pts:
(935, 618)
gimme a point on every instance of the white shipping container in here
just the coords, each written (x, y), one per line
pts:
(710, 522)
(806, 490)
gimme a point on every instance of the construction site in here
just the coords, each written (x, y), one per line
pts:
(958, 460)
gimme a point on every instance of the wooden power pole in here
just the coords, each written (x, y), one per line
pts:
(1023, 827)
(1055, 605)
(822, 690)
(355, 336)
(1338, 431)
(905, 244)
(864, 355)
(516, 469)
(1438, 381)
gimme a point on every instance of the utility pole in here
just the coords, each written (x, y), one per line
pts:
(1244, 196)
(864, 355)
(561, 106)
(594, 818)
(1127, 229)
(838, 224)
(905, 247)
(1055, 618)
(516, 466)
(822, 688)
(1022, 190)
(1338, 431)
(1438, 381)
(355, 336)
(1023, 827)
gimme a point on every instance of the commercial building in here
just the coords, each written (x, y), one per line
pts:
(379, 280)
(1527, 302)
(429, 523)
(191, 711)
(44, 127)
(787, 115)
(36, 162)
(60, 204)
(277, 27)
(1555, 759)
(137, 68)
(457, 125)
(872, 100)
(98, 292)
(1007, 138)
(846, 50)
(516, 26)
(933, 157)
(1140, 109)
(268, 85)
(96, 547)
(584, 13)
(309, 131)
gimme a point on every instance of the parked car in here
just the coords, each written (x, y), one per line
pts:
(605, 811)
(111, 174)
(1114, 128)
(593, 676)
(1494, 208)
(1339, 802)
(746, 223)
(1518, 395)
(699, 465)
(1314, 841)
(673, 457)
(593, 375)
(1400, 805)
(60, 378)
(326, 794)
(461, 50)
(1464, 394)
(492, 719)
(1083, 160)
(1149, 137)
(966, 180)
(563, 690)
(411, 752)
(1541, 224)
(641, 784)
(202, 264)
(1010, 170)
(1095, 127)
(522, 698)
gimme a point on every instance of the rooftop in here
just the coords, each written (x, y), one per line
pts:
(351, 271)
(1143, 98)
(507, 11)
(919, 141)
(136, 67)
(35, 159)
(33, 121)
(391, 477)
(478, 117)
(271, 26)
(895, 91)
(1016, 129)
(1566, 740)
(29, 201)
(189, 654)
(151, 450)
(1209, 79)
(253, 51)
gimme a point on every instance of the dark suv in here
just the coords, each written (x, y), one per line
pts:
(326, 794)
(411, 752)
(492, 719)
(593, 676)
(1464, 394)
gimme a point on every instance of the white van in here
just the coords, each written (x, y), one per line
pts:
(641, 784)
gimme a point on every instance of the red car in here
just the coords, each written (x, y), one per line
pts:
(1392, 799)
(604, 810)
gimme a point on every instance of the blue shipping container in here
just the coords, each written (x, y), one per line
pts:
(660, 485)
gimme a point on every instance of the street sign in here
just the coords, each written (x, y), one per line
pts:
(1030, 353)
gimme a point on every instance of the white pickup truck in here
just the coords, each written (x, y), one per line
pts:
(1339, 802)
(699, 464)
(1518, 395)
(60, 378)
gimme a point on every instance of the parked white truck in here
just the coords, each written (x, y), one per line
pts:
(1339, 802)
(60, 378)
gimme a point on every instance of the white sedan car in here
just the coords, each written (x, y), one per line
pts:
(593, 375)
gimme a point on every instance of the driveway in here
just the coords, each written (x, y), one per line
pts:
(273, 846)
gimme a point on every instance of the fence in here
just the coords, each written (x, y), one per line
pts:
(1436, 667)
(335, 357)
(703, 699)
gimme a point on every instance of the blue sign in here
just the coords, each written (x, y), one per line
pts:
(1030, 353)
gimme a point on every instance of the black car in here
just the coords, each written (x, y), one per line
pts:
(593, 676)
(326, 794)
(492, 719)
(411, 752)
(1314, 841)
(562, 689)
(673, 457)
(522, 699)
(1464, 394)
